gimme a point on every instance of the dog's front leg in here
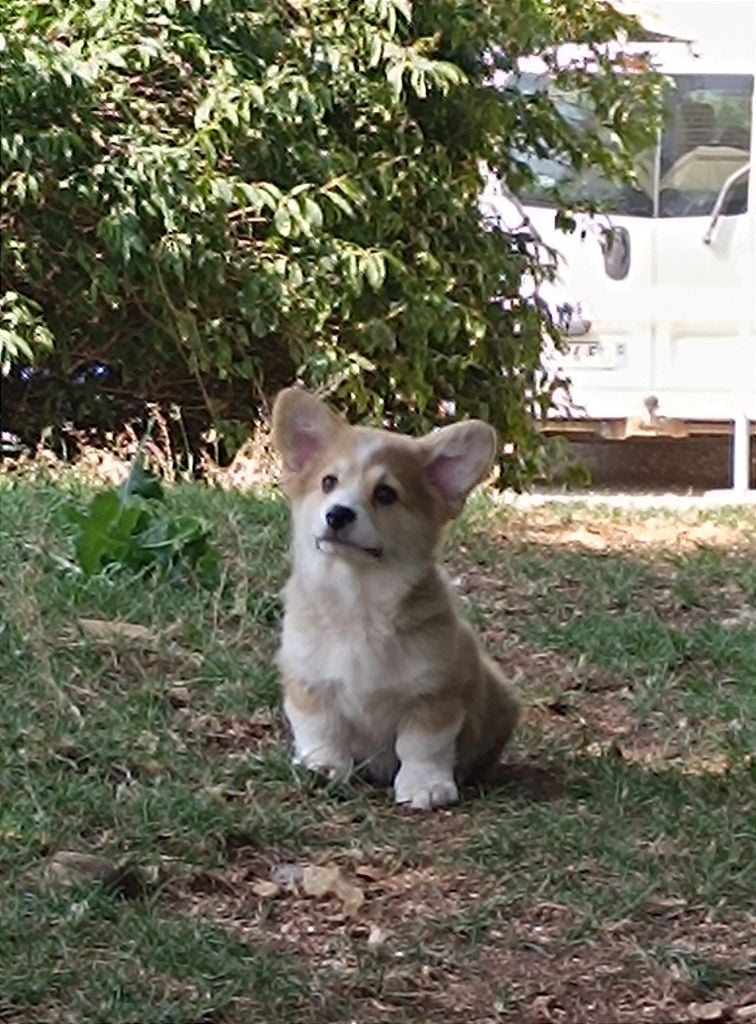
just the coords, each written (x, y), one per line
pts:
(321, 736)
(426, 746)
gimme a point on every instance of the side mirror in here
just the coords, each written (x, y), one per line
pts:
(615, 245)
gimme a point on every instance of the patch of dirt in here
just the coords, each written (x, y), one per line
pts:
(570, 703)
(682, 607)
(410, 949)
(684, 531)
(531, 778)
(547, 671)
(235, 734)
(533, 975)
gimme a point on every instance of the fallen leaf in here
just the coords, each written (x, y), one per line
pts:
(266, 890)
(152, 769)
(742, 617)
(542, 1009)
(664, 904)
(377, 936)
(745, 1013)
(317, 881)
(351, 896)
(320, 881)
(107, 629)
(66, 750)
(712, 1011)
(368, 871)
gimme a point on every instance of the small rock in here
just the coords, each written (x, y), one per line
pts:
(712, 1011)
(179, 696)
(70, 869)
(287, 875)
(745, 1013)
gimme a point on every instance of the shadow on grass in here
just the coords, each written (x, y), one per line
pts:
(530, 779)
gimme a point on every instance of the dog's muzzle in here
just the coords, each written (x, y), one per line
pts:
(330, 540)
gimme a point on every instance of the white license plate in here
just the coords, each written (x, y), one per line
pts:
(594, 355)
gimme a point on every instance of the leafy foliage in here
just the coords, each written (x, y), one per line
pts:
(218, 195)
(129, 527)
(22, 334)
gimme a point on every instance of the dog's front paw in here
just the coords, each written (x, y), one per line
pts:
(424, 793)
(326, 763)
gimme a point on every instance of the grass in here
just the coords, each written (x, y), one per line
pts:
(607, 874)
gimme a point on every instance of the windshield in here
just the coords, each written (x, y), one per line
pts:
(706, 139)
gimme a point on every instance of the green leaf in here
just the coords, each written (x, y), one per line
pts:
(374, 269)
(312, 213)
(403, 7)
(142, 483)
(282, 221)
(339, 202)
(106, 532)
(376, 51)
(394, 74)
(223, 191)
(203, 111)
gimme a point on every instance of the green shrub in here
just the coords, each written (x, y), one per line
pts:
(216, 196)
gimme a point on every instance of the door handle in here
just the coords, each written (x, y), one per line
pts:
(724, 191)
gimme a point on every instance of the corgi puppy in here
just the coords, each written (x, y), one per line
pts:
(379, 671)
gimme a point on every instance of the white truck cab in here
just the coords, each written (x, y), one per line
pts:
(657, 294)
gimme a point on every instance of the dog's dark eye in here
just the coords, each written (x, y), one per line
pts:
(328, 484)
(385, 495)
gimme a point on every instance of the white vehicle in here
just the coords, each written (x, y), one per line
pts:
(657, 297)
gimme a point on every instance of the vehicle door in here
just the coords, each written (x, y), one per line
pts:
(704, 275)
(602, 296)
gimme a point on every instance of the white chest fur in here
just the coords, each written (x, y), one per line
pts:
(349, 643)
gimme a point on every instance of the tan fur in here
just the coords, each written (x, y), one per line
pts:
(379, 669)
(306, 701)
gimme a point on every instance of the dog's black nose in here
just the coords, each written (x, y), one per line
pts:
(339, 516)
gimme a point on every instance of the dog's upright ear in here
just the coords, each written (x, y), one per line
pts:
(303, 427)
(457, 458)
